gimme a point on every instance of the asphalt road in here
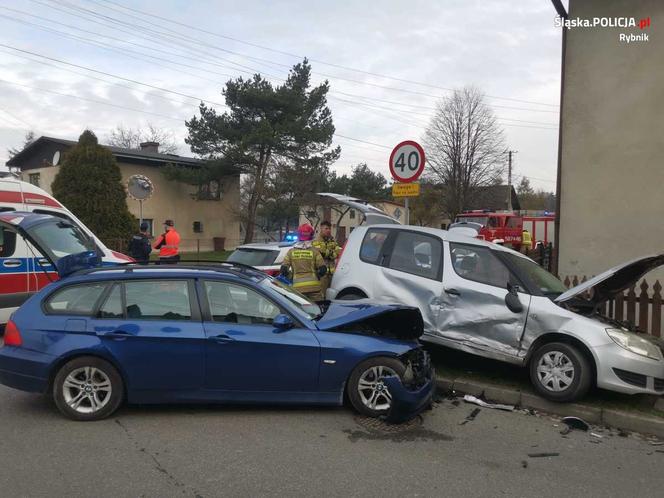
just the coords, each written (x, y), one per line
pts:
(221, 451)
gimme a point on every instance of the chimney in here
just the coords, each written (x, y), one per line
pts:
(150, 147)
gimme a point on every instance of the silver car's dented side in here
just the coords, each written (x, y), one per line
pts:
(473, 317)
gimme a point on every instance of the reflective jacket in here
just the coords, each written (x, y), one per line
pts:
(526, 239)
(304, 260)
(330, 251)
(168, 244)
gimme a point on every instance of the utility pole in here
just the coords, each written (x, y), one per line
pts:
(509, 178)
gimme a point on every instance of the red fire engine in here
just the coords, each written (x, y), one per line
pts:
(507, 227)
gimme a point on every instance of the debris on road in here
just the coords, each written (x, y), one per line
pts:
(471, 416)
(472, 399)
(576, 423)
(543, 455)
(594, 434)
(524, 464)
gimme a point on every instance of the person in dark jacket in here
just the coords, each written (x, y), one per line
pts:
(139, 245)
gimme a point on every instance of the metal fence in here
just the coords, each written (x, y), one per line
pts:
(640, 305)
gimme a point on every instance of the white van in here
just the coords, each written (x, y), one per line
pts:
(21, 265)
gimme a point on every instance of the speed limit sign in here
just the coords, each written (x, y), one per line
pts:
(407, 161)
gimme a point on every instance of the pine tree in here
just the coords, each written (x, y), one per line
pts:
(89, 183)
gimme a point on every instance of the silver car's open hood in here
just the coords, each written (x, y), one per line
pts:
(372, 215)
(609, 283)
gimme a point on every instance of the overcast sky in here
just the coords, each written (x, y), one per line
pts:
(415, 50)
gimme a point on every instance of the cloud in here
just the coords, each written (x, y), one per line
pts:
(504, 49)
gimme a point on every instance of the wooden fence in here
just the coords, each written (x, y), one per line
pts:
(641, 305)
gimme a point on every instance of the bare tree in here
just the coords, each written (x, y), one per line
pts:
(464, 146)
(130, 138)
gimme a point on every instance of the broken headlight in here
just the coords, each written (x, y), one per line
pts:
(637, 345)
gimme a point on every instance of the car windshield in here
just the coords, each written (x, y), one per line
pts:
(546, 282)
(253, 257)
(301, 302)
(482, 220)
(58, 238)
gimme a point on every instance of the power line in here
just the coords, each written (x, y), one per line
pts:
(101, 102)
(199, 42)
(197, 54)
(112, 75)
(339, 66)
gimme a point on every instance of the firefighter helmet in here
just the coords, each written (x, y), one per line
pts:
(305, 232)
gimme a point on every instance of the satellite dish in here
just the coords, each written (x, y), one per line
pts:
(139, 187)
(56, 158)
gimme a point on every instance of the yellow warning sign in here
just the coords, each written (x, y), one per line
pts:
(406, 189)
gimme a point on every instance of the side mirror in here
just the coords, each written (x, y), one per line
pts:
(512, 300)
(283, 322)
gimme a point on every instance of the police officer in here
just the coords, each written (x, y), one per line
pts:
(330, 250)
(168, 244)
(306, 264)
(139, 245)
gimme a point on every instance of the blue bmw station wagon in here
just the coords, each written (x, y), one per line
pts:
(210, 333)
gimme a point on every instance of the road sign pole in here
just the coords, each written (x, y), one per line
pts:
(407, 211)
(140, 213)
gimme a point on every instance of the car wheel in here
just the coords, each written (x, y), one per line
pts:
(366, 390)
(560, 372)
(88, 388)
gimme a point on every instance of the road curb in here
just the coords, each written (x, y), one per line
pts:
(627, 421)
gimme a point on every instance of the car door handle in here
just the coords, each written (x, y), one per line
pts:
(118, 335)
(221, 338)
(11, 263)
(452, 292)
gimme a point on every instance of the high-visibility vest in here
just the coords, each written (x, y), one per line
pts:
(171, 244)
(303, 263)
(330, 251)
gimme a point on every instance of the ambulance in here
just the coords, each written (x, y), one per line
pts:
(24, 268)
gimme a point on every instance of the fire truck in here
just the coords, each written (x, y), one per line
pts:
(506, 227)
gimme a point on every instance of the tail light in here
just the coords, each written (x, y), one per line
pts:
(272, 273)
(12, 335)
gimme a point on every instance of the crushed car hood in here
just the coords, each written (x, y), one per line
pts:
(608, 284)
(399, 322)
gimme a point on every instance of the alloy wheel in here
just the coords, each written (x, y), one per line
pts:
(87, 389)
(374, 394)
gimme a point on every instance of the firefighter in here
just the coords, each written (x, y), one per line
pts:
(168, 244)
(306, 264)
(330, 250)
(139, 245)
(526, 240)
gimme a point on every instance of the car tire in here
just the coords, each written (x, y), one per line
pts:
(88, 388)
(351, 296)
(560, 372)
(365, 390)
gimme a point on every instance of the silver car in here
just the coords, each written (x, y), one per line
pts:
(491, 301)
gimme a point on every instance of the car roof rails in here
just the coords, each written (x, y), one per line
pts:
(220, 266)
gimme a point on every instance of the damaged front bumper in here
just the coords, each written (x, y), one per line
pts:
(415, 394)
(407, 404)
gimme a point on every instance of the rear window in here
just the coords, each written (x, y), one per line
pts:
(254, 257)
(372, 245)
(75, 299)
